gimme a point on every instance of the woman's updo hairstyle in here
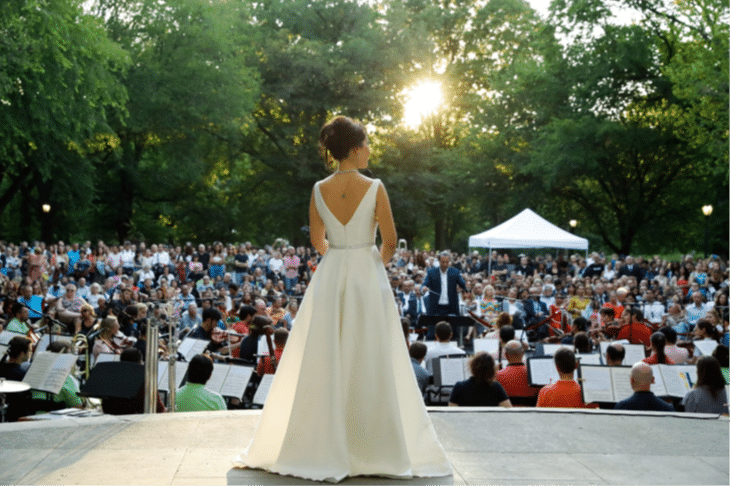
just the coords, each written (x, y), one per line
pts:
(340, 136)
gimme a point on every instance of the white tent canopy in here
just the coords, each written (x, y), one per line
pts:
(527, 230)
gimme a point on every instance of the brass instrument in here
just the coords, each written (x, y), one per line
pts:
(81, 344)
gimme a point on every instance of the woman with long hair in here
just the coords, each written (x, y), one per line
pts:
(658, 356)
(481, 390)
(708, 394)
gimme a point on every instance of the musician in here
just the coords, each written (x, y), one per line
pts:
(105, 342)
(615, 354)
(535, 310)
(126, 406)
(68, 396)
(658, 356)
(258, 326)
(440, 284)
(481, 390)
(211, 316)
(19, 323)
(265, 365)
(443, 346)
(88, 320)
(13, 366)
(193, 396)
(417, 351)
(566, 392)
(643, 398)
(513, 377)
(679, 355)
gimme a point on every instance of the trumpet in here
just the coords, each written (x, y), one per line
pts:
(81, 345)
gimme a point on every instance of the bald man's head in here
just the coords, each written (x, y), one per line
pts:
(641, 377)
(514, 351)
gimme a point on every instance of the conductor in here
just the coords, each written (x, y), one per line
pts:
(440, 287)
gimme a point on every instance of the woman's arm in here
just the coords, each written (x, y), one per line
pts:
(316, 228)
(384, 215)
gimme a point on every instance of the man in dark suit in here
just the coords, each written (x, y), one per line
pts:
(631, 269)
(440, 285)
(535, 312)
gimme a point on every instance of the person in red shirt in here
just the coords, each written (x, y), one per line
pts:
(245, 315)
(513, 377)
(658, 341)
(566, 392)
(265, 365)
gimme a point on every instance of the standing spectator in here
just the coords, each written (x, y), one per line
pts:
(291, 265)
(240, 264)
(217, 266)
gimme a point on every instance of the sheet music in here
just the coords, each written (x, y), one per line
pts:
(6, 336)
(543, 372)
(262, 392)
(453, 370)
(550, 349)
(621, 381)
(262, 348)
(191, 346)
(215, 383)
(45, 340)
(634, 352)
(490, 346)
(678, 379)
(106, 358)
(658, 387)
(596, 384)
(163, 375)
(48, 371)
(413, 337)
(590, 359)
(181, 369)
(236, 381)
(706, 346)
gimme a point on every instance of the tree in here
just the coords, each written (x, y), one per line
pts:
(58, 77)
(190, 88)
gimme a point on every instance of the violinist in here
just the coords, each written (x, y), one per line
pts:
(245, 315)
(678, 354)
(105, 342)
(208, 328)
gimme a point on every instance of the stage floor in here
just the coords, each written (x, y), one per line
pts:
(485, 446)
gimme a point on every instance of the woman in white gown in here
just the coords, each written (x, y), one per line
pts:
(344, 401)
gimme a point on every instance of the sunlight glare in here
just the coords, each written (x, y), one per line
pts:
(422, 101)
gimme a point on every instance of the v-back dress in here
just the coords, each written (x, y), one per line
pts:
(344, 401)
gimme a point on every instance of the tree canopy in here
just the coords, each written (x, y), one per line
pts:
(198, 120)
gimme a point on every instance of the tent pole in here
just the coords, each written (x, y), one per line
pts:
(489, 267)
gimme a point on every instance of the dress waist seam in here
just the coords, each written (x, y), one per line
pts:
(351, 247)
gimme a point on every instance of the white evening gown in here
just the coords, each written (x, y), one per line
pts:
(344, 401)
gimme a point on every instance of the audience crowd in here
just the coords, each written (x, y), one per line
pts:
(233, 294)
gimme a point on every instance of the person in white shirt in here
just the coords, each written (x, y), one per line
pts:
(653, 310)
(442, 346)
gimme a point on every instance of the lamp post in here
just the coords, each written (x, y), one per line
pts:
(707, 211)
(573, 223)
(46, 232)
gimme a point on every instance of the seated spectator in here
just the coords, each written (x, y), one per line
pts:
(513, 377)
(193, 396)
(643, 399)
(442, 346)
(291, 313)
(658, 356)
(708, 394)
(615, 354)
(417, 350)
(68, 396)
(481, 390)
(266, 366)
(83, 290)
(13, 366)
(190, 319)
(566, 392)
(34, 302)
(68, 309)
(675, 353)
